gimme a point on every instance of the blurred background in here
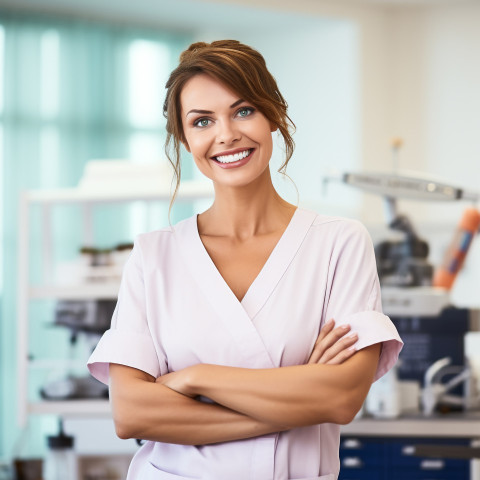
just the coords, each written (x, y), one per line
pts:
(385, 86)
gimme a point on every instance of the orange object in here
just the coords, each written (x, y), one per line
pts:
(457, 251)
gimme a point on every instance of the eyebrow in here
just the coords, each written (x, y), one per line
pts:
(209, 112)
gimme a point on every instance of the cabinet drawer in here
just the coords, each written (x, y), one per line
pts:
(415, 474)
(402, 455)
(360, 452)
(361, 474)
(361, 462)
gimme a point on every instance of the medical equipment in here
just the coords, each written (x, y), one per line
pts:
(445, 275)
(436, 392)
(89, 318)
(403, 263)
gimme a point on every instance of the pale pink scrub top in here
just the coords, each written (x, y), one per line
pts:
(174, 310)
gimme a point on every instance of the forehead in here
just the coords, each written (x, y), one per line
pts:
(205, 92)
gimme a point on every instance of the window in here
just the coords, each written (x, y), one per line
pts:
(70, 91)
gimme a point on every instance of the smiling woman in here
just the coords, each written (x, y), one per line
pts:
(222, 354)
(226, 133)
(240, 70)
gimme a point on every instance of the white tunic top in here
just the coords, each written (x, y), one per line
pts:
(175, 310)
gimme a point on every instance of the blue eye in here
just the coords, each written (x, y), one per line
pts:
(245, 111)
(201, 122)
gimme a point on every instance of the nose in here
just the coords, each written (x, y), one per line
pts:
(228, 132)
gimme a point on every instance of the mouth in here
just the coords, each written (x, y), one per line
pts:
(235, 157)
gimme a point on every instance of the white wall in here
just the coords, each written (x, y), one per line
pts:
(316, 68)
(436, 83)
(437, 109)
(419, 79)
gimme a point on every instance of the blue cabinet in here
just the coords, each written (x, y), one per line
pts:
(375, 458)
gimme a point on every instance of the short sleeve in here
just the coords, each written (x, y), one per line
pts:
(128, 341)
(354, 295)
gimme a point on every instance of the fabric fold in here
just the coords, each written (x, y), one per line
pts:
(374, 327)
(128, 348)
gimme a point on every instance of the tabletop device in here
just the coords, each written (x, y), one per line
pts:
(410, 287)
(91, 318)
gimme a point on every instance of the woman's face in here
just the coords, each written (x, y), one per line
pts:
(229, 139)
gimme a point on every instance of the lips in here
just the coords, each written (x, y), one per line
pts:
(232, 155)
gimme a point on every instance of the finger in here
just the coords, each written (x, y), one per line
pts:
(342, 356)
(317, 347)
(327, 342)
(325, 330)
(341, 345)
(331, 338)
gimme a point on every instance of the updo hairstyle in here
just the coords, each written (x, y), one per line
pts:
(243, 70)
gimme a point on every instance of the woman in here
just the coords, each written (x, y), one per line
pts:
(214, 356)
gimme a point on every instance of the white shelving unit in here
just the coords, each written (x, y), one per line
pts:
(48, 290)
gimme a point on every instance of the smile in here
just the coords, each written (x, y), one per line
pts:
(233, 158)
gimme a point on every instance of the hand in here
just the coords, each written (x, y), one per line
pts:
(178, 381)
(333, 346)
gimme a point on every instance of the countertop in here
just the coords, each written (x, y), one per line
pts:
(418, 425)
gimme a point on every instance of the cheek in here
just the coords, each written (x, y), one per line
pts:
(268, 143)
(198, 144)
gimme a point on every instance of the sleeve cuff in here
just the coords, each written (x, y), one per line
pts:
(128, 348)
(374, 327)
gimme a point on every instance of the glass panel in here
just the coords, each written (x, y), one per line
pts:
(2, 61)
(148, 70)
(49, 157)
(49, 73)
(146, 147)
(2, 189)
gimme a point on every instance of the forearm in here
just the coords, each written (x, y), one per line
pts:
(294, 396)
(148, 410)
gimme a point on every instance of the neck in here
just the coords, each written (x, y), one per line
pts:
(244, 212)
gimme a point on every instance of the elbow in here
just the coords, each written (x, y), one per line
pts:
(122, 432)
(348, 407)
(345, 415)
(125, 420)
(123, 428)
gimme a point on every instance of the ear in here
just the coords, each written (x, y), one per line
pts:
(273, 127)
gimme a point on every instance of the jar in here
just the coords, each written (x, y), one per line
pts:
(60, 462)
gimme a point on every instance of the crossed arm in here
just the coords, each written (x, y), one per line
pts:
(248, 402)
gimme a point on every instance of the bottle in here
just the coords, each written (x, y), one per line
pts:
(383, 399)
(457, 251)
(60, 462)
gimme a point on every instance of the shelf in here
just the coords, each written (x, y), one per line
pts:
(104, 286)
(72, 408)
(462, 425)
(467, 425)
(52, 363)
(414, 301)
(189, 190)
(93, 291)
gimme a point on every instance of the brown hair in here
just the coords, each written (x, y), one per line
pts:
(244, 71)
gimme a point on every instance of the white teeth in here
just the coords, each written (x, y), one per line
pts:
(233, 158)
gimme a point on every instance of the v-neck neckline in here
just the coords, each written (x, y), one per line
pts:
(239, 317)
(271, 272)
(264, 266)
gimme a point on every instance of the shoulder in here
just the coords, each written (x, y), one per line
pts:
(339, 227)
(341, 240)
(338, 237)
(157, 241)
(153, 236)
